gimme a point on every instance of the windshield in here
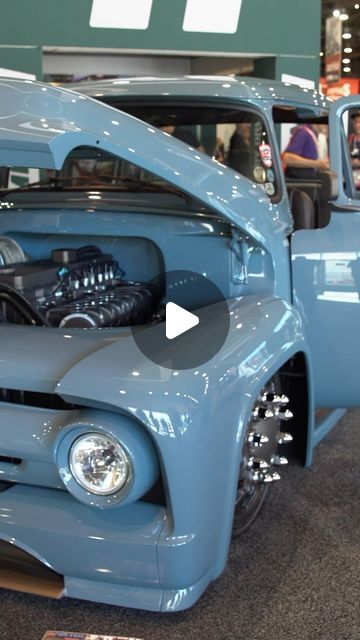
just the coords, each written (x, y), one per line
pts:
(236, 138)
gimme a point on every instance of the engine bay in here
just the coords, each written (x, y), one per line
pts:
(74, 287)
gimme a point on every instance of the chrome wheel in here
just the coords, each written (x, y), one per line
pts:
(260, 454)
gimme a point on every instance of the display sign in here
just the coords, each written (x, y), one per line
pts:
(221, 16)
(344, 87)
(182, 26)
(72, 635)
(333, 49)
(120, 14)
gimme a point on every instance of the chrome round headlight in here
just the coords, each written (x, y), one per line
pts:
(99, 464)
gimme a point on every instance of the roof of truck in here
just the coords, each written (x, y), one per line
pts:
(240, 88)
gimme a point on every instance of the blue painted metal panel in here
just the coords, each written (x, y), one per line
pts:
(327, 293)
(82, 542)
(137, 554)
(181, 411)
(56, 120)
(210, 403)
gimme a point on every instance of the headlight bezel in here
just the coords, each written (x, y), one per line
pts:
(133, 438)
(70, 482)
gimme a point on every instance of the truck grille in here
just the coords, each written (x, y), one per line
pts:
(35, 399)
(10, 460)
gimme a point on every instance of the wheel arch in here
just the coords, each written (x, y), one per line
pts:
(295, 376)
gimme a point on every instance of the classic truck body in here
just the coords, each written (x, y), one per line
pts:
(184, 430)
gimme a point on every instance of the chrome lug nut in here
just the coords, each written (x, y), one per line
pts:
(278, 461)
(257, 439)
(264, 478)
(261, 413)
(274, 398)
(283, 437)
(271, 477)
(257, 463)
(256, 476)
(284, 415)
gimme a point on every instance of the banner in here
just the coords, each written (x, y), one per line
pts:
(333, 49)
(341, 89)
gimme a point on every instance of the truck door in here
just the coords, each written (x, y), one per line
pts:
(326, 276)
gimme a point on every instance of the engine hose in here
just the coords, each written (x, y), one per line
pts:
(22, 306)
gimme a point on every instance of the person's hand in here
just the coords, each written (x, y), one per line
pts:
(322, 165)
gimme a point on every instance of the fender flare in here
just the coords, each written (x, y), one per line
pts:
(198, 426)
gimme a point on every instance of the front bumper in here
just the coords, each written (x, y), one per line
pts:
(108, 556)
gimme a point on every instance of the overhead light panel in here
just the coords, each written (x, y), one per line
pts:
(346, 60)
(348, 50)
(343, 16)
(346, 36)
(347, 69)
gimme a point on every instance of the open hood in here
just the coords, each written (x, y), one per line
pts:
(41, 124)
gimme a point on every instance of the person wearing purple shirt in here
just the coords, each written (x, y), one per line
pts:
(301, 156)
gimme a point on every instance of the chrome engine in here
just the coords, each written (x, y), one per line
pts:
(81, 287)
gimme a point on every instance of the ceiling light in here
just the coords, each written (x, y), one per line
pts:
(346, 36)
(343, 16)
(348, 50)
(336, 13)
(346, 60)
(357, 6)
(346, 69)
(321, 54)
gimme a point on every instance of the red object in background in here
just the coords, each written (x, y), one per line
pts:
(344, 87)
(333, 49)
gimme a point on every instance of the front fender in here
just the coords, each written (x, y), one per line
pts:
(197, 419)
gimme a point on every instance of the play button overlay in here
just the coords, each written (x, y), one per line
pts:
(193, 325)
(178, 320)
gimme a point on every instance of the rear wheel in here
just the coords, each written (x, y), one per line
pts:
(260, 454)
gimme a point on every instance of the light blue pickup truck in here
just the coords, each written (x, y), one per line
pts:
(178, 319)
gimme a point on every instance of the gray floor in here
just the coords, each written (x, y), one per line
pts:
(294, 575)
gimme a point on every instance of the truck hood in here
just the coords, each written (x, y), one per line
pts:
(40, 125)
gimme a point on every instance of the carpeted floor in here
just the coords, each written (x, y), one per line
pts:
(295, 574)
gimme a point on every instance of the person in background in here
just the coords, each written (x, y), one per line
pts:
(322, 141)
(184, 135)
(354, 140)
(354, 147)
(239, 156)
(301, 156)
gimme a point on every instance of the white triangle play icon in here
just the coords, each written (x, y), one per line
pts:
(178, 320)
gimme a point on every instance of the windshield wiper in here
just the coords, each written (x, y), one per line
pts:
(145, 185)
(137, 184)
(28, 186)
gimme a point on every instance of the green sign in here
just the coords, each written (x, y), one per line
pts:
(266, 27)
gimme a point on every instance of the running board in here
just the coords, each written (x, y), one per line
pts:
(19, 571)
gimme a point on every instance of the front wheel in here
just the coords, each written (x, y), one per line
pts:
(260, 454)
